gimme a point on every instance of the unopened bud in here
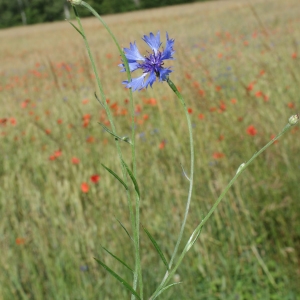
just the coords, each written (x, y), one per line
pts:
(294, 119)
(240, 168)
(75, 2)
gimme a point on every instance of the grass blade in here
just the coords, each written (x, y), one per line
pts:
(116, 176)
(132, 178)
(118, 259)
(157, 248)
(120, 279)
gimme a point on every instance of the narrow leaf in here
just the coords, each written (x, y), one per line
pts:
(184, 173)
(118, 259)
(76, 28)
(157, 248)
(116, 176)
(124, 229)
(120, 279)
(165, 288)
(132, 178)
(123, 138)
(99, 100)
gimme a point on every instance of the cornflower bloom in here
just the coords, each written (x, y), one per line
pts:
(151, 64)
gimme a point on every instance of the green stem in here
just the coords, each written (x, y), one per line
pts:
(191, 176)
(135, 220)
(198, 229)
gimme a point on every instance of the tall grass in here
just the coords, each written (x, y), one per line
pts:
(237, 66)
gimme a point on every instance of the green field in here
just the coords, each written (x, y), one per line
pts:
(237, 66)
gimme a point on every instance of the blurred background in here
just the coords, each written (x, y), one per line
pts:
(17, 12)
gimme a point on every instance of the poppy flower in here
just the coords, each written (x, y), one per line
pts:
(57, 153)
(75, 160)
(162, 144)
(151, 64)
(12, 121)
(95, 178)
(20, 241)
(218, 155)
(85, 187)
(251, 130)
(201, 116)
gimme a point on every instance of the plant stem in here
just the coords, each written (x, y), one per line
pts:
(191, 176)
(198, 229)
(134, 219)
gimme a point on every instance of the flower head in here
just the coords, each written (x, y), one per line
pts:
(151, 64)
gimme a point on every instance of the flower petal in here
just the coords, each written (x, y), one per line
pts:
(135, 83)
(151, 79)
(153, 41)
(133, 65)
(133, 53)
(163, 74)
(168, 52)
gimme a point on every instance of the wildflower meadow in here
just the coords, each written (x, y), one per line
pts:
(152, 154)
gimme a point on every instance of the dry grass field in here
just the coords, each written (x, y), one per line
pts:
(237, 65)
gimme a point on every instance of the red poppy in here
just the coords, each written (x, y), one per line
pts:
(12, 121)
(95, 178)
(3, 121)
(75, 160)
(162, 144)
(218, 155)
(57, 153)
(52, 157)
(222, 106)
(138, 109)
(86, 117)
(291, 105)
(201, 116)
(190, 110)
(251, 130)
(250, 86)
(258, 94)
(90, 139)
(188, 75)
(86, 123)
(201, 92)
(20, 241)
(85, 187)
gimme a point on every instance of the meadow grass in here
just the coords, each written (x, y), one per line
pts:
(237, 67)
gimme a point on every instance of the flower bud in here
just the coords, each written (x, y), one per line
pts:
(75, 2)
(294, 119)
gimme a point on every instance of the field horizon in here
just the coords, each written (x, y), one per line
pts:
(237, 67)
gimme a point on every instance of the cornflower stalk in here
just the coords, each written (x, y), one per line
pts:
(134, 218)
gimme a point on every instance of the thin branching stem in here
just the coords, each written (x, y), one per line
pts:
(198, 229)
(135, 219)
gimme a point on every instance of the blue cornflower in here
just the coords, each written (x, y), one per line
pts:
(151, 64)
